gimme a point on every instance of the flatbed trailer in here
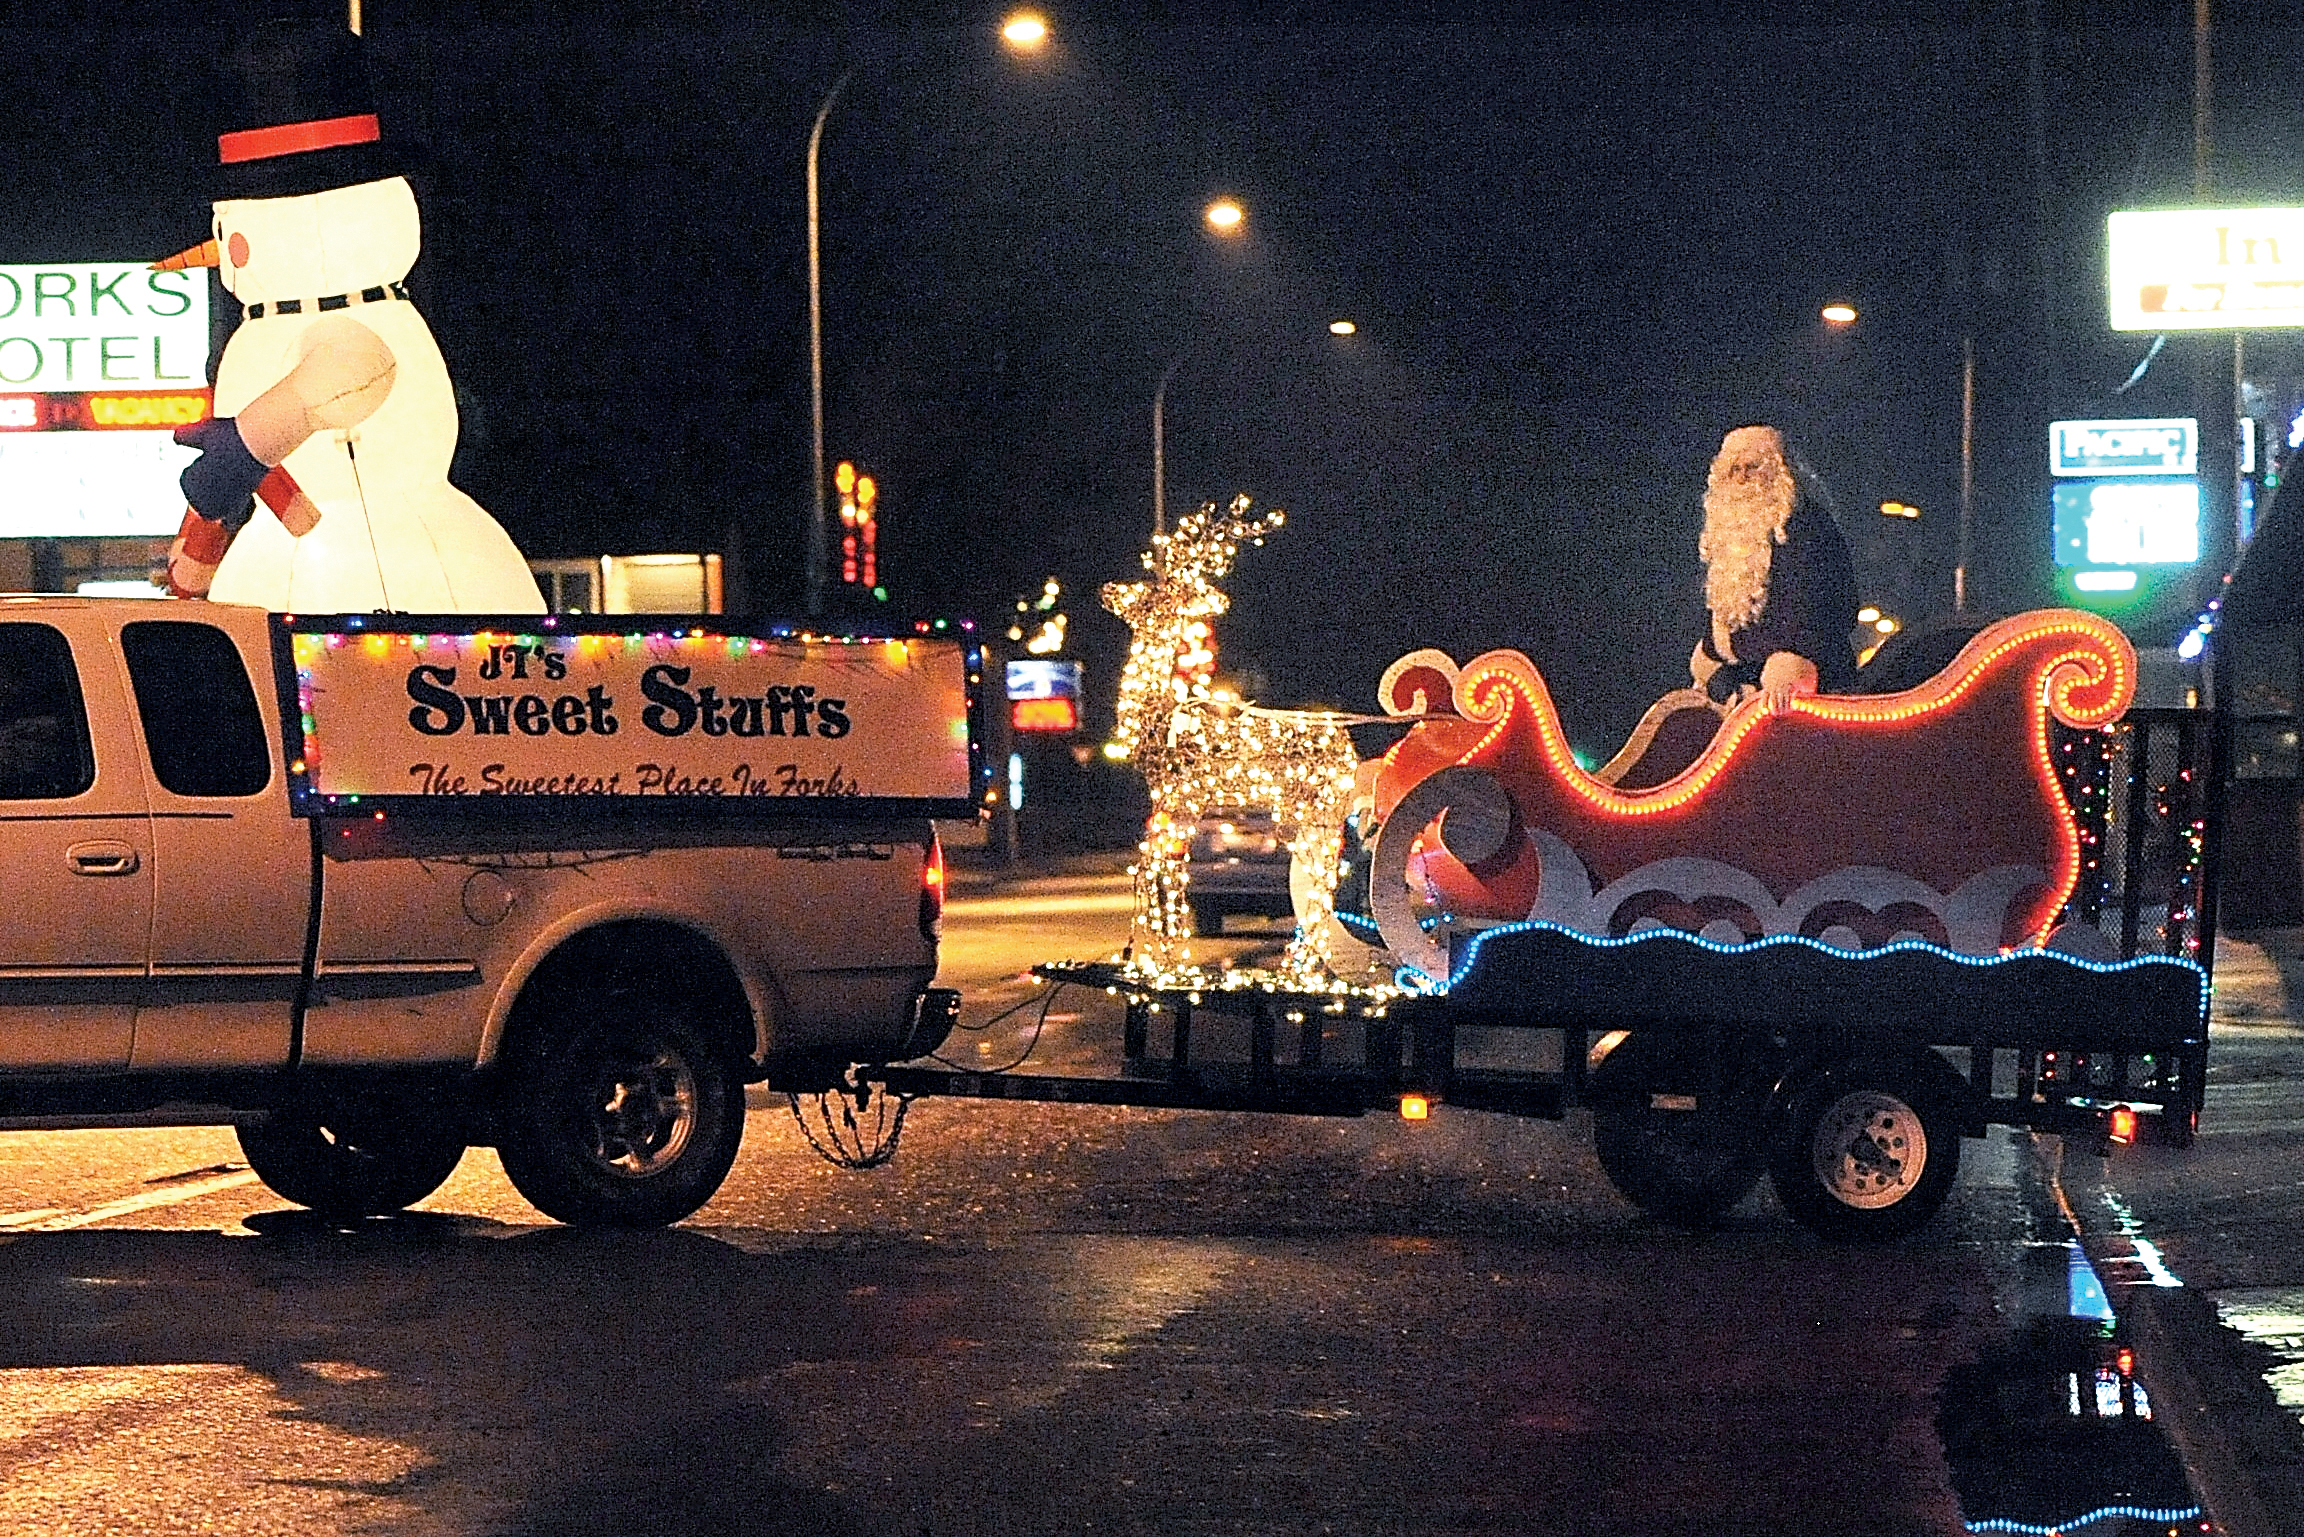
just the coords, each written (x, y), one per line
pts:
(1847, 1075)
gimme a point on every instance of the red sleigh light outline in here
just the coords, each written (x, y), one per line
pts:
(2073, 666)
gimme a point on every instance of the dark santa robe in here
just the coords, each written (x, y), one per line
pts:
(1809, 611)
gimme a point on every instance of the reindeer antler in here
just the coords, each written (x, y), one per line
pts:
(1204, 542)
(1186, 566)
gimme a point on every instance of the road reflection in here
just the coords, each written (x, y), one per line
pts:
(2050, 1432)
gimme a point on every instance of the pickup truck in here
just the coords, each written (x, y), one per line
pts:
(375, 889)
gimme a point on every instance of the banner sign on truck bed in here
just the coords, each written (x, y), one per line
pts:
(393, 712)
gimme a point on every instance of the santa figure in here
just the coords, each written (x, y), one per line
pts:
(1777, 579)
(322, 482)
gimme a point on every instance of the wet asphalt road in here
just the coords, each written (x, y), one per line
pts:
(2203, 1248)
(1036, 1319)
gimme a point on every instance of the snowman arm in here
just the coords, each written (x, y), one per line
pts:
(342, 376)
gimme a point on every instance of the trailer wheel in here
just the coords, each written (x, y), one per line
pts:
(1681, 1158)
(629, 1118)
(1867, 1153)
(357, 1163)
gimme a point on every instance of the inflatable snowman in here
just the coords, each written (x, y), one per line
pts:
(322, 482)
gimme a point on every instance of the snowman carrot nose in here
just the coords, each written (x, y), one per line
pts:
(202, 255)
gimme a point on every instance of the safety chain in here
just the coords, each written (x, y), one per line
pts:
(862, 1133)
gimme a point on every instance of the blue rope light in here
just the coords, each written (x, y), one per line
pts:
(1418, 981)
(2101, 1513)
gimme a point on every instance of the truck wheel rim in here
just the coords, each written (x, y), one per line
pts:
(1869, 1150)
(644, 1111)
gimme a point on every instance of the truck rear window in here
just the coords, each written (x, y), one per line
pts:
(201, 725)
(43, 725)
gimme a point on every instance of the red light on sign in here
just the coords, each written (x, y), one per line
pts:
(1045, 715)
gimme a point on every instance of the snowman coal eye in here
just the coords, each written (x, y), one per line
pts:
(237, 249)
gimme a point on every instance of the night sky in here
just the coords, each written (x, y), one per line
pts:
(1577, 252)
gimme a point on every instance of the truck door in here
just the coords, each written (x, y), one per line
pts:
(76, 843)
(233, 865)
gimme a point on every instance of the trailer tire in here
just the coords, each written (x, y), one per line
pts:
(1688, 1166)
(1868, 1151)
(357, 1163)
(628, 1117)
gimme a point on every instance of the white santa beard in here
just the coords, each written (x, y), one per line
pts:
(1742, 528)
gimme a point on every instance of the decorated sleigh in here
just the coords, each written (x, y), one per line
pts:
(1934, 814)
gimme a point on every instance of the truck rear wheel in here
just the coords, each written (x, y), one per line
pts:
(630, 1118)
(355, 1164)
(1685, 1158)
(1867, 1153)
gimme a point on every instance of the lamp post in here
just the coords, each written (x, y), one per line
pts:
(1336, 328)
(1020, 32)
(1226, 219)
(819, 525)
(1840, 315)
(1160, 451)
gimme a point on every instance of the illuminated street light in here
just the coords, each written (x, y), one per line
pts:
(1023, 32)
(1839, 315)
(1160, 431)
(1225, 216)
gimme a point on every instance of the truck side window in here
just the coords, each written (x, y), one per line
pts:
(201, 724)
(43, 725)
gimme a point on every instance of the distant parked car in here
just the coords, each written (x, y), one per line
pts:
(1239, 865)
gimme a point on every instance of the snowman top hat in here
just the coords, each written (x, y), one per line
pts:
(297, 114)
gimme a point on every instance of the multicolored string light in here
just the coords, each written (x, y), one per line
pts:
(1200, 750)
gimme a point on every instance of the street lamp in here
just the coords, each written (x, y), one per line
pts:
(1022, 32)
(1339, 328)
(1026, 31)
(1839, 314)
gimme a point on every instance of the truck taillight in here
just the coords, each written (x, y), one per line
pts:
(932, 891)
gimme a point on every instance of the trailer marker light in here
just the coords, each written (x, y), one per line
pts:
(1415, 1107)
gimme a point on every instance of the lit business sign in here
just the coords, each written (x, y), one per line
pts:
(2199, 269)
(99, 363)
(1044, 694)
(1043, 678)
(2145, 446)
(2120, 541)
(2161, 445)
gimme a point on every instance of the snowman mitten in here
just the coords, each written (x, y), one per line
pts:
(221, 484)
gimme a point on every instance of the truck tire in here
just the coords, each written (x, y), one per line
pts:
(1867, 1152)
(357, 1164)
(1684, 1164)
(628, 1118)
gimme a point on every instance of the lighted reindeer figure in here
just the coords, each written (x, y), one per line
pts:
(1199, 752)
